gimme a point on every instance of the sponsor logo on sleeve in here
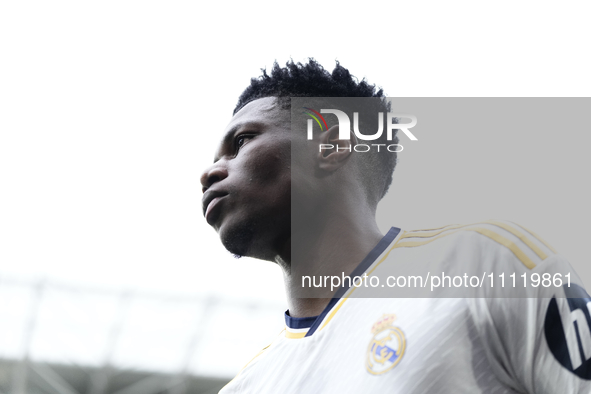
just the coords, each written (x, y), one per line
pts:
(568, 330)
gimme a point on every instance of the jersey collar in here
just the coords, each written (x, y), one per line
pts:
(299, 327)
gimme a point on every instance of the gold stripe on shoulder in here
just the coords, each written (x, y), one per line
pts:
(537, 237)
(488, 233)
(433, 233)
(507, 243)
(432, 237)
(436, 232)
(522, 237)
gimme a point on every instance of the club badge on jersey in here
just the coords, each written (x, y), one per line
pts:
(387, 346)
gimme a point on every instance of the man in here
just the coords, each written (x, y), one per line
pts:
(309, 205)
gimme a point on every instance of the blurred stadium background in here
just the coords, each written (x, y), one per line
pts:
(110, 280)
(67, 339)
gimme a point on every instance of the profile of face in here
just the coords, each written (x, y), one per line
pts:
(248, 188)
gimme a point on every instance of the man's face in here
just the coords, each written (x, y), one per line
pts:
(247, 189)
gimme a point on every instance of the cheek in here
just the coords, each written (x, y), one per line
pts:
(268, 165)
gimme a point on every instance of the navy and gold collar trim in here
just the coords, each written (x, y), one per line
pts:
(298, 322)
(299, 327)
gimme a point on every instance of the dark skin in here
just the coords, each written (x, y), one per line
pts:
(248, 195)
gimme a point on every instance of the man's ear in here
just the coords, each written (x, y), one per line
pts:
(334, 152)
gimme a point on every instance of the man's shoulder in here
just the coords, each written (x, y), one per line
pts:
(250, 371)
(490, 236)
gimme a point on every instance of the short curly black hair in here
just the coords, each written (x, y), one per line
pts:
(312, 80)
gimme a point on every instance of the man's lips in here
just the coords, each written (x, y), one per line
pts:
(210, 200)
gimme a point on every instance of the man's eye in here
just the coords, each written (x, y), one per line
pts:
(241, 140)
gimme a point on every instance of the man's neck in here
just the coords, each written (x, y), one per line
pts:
(334, 248)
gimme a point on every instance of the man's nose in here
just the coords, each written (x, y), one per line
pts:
(213, 174)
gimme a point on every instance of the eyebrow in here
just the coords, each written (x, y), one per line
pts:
(230, 134)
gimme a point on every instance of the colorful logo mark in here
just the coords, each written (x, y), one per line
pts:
(309, 112)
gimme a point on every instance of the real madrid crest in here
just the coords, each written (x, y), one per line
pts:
(386, 347)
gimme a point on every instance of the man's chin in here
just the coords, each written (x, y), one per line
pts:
(237, 239)
(250, 238)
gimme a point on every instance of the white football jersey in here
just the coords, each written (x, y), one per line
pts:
(476, 344)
